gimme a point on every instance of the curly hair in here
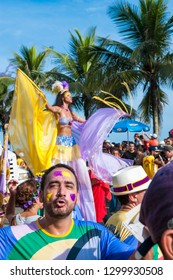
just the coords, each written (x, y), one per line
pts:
(26, 191)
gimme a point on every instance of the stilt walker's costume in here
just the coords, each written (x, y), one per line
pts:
(33, 132)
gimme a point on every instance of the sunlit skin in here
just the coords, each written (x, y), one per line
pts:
(61, 191)
(64, 111)
(66, 174)
(59, 198)
(68, 98)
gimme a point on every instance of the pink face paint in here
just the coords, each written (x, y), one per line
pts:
(73, 196)
(57, 173)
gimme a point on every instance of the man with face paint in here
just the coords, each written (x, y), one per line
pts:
(60, 193)
(58, 236)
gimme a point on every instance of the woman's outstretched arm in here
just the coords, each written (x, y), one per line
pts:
(77, 118)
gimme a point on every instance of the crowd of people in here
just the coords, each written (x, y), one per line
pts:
(69, 211)
(144, 150)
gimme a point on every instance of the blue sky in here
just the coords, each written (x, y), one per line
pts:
(48, 22)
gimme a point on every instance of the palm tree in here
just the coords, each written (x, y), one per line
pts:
(6, 93)
(145, 55)
(81, 69)
(32, 64)
(117, 70)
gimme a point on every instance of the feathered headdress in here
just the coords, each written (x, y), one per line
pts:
(60, 86)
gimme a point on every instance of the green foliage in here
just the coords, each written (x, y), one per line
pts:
(146, 30)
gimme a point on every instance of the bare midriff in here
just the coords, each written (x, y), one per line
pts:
(64, 130)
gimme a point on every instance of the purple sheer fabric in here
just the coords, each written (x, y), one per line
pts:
(86, 199)
(90, 137)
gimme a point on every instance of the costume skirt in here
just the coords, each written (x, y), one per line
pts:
(65, 150)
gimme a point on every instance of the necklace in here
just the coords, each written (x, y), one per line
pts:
(67, 109)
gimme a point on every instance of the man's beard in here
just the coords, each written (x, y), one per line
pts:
(54, 212)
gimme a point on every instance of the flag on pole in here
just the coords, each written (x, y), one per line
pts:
(32, 130)
(4, 164)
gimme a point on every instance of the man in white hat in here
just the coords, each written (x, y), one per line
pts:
(153, 139)
(129, 185)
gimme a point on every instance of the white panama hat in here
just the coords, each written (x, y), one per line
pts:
(129, 180)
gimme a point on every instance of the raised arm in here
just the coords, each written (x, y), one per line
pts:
(10, 210)
(53, 109)
(77, 118)
(145, 134)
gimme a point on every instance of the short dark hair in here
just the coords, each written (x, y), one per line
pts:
(58, 165)
(131, 143)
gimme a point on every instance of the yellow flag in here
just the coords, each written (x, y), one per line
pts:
(32, 130)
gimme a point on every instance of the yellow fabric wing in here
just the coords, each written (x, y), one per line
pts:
(32, 130)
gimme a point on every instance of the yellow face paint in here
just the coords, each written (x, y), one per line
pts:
(67, 94)
(66, 174)
(48, 196)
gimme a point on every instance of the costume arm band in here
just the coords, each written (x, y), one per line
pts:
(144, 248)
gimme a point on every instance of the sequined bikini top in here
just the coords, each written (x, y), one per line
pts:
(65, 121)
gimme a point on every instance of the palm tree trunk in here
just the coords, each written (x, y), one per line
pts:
(86, 109)
(155, 104)
(156, 121)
